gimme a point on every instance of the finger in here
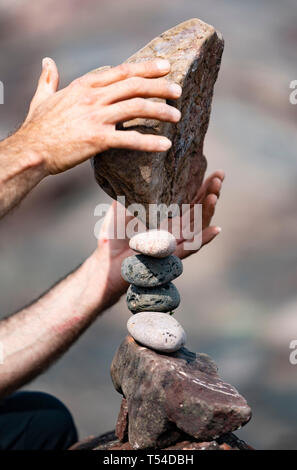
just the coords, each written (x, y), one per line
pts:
(134, 140)
(51, 76)
(216, 174)
(219, 174)
(147, 69)
(208, 234)
(47, 84)
(189, 222)
(141, 108)
(142, 87)
(214, 187)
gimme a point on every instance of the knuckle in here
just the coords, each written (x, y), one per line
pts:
(163, 109)
(73, 84)
(123, 70)
(166, 84)
(148, 66)
(85, 79)
(161, 83)
(137, 104)
(95, 138)
(88, 98)
(134, 136)
(78, 82)
(134, 84)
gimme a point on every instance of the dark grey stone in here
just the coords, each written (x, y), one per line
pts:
(163, 298)
(145, 271)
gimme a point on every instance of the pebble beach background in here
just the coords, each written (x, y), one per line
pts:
(239, 296)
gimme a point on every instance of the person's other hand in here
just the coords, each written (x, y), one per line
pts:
(207, 195)
(69, 126)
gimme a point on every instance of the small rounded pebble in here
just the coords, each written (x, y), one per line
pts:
(145, 271)
(154, 299)
(156, 243)
(157, 330)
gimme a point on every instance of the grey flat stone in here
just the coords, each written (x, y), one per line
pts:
(145, 271)
(163, 298)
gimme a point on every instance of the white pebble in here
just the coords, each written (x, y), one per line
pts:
(156, 330)
(155, 243)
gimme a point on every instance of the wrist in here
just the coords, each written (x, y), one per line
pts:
(107, 272)
(21, 156)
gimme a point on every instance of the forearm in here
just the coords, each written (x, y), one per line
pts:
(21, 168)
(35, 337)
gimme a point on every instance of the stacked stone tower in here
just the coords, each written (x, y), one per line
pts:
(152, 297)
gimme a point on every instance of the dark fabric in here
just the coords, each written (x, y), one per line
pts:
(33, 421)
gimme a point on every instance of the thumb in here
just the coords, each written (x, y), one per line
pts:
(47, 84)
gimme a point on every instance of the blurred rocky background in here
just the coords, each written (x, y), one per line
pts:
(239, 298)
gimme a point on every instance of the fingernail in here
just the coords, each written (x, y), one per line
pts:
(175, 89)
(163, 65)
(165, 143)
(176, 114)
(219, 229)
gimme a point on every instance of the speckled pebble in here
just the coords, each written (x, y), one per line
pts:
(154, 299)
(156, 243)
(145, 271)
(156, 330)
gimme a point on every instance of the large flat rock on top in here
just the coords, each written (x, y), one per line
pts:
(194, 50)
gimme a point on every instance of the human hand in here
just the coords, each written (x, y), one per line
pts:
(69, 126)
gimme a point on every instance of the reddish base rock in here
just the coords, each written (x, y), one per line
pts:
(173, 397)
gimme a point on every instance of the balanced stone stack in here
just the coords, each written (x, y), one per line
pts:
(152, 296)
(176, 396)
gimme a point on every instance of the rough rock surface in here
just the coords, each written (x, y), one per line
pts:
(169, 395)
(145, 271)
(157, 330)
(154, 299)
(194, 50)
